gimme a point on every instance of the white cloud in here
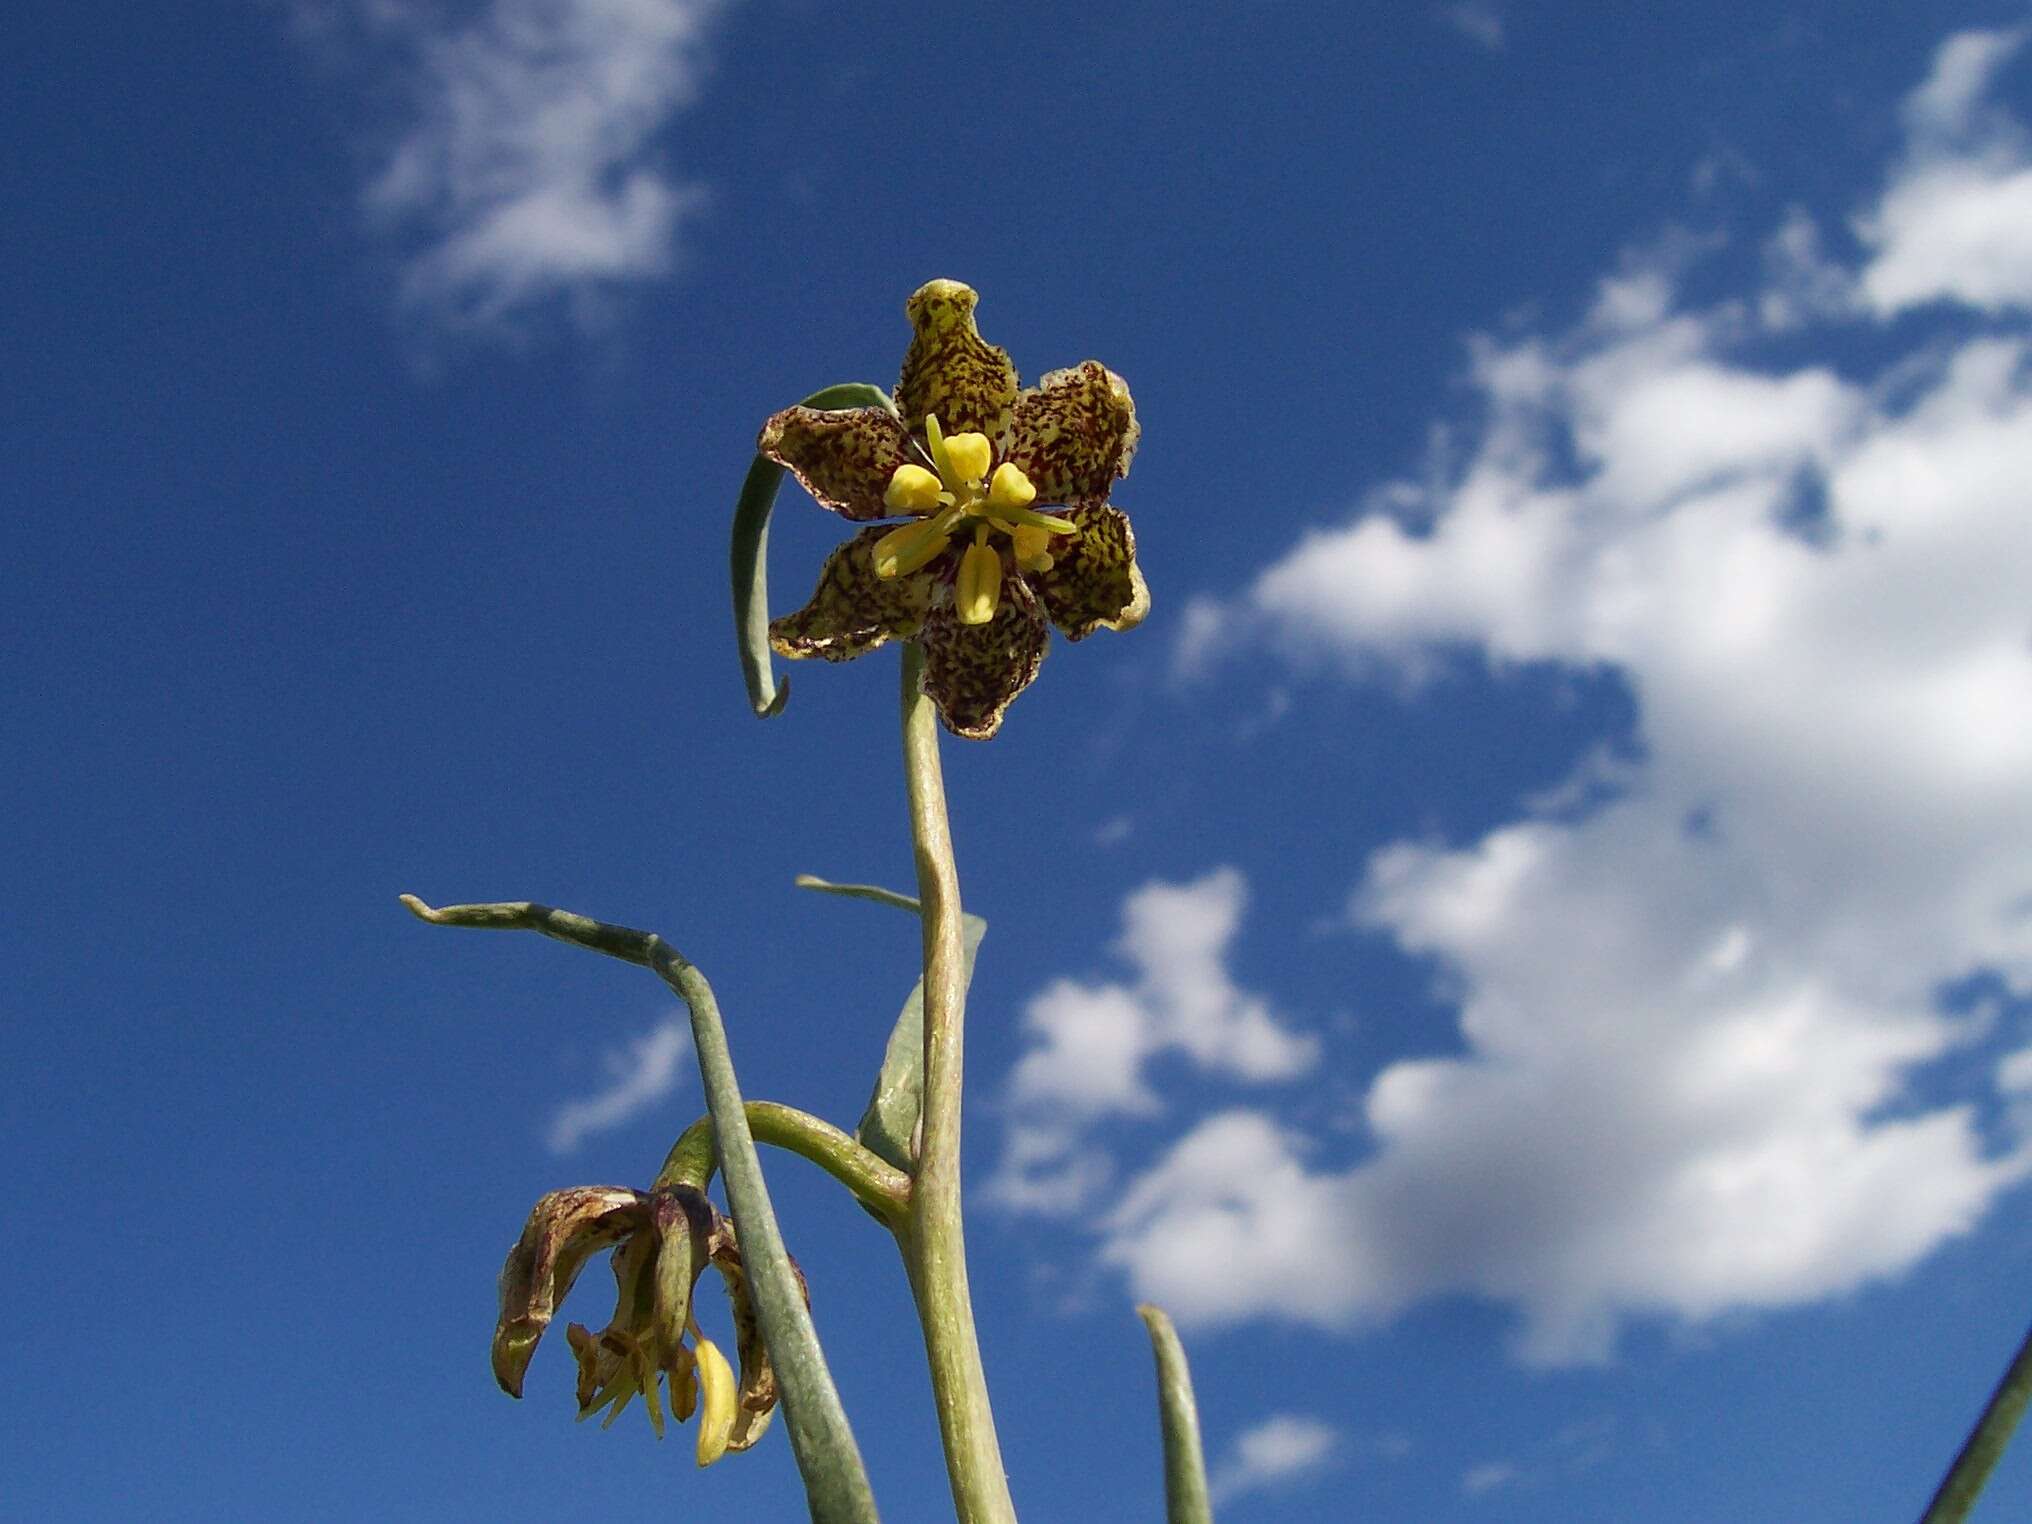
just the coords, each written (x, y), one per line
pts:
(1282, 1448)
(1692, 1015)
(1955, 223)
(1477, 20)
(638, 1076)
(1091, 1043)
(532, 167)
(1481, 1480)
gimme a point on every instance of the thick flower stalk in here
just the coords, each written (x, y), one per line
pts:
(979, 570)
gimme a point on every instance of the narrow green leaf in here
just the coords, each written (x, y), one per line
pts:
(888, 1127)
(1185, 1485)
(751, 554)
(1971, 1470)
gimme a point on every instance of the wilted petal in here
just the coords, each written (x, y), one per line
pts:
(843, 456)
(854, 610)
(1094, 582)
(972, 671)
(1074, 433)
(951, 370)
(684, 1218)
(565, 1229)
(758, 1391)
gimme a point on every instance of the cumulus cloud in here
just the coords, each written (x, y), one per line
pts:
(531, 167)
(1282, 1448)
(1481, 1480)
(1955, 223)
(1693, 1014)
(638, 1076)
(1477, 20)
(1090, 1043)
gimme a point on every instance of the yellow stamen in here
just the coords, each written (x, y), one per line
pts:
(911, 490)
(969, 455)
(908, 547)
(716, 1418)
(979, 590)
(1032, 545)
(1049, 522)
(1010, 489)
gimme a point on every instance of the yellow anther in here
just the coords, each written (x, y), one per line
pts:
(716, 1414)
(1010, 488)
(908, 547)
(968, 455)
(979, 591)
(1032, 546)
(911, 490)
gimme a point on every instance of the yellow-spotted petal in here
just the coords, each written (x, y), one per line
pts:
(1074, 433)
(972, 672)
(950, 369)
(845, 457)
(854, 609)
(1093, 582)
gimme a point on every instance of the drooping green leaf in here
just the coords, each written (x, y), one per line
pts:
(888, 1127)
(1185, 1483)
(751, 554)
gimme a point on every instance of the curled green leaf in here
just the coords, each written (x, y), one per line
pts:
(750, 558)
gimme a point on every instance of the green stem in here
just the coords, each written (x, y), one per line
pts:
(1185, 1484)
(932, 1237)
(879, 1187)
(1964, 1481)
(821, 1439)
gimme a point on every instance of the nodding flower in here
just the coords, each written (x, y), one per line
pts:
(662, 1240)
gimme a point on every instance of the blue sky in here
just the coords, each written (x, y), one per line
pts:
(1526, 952)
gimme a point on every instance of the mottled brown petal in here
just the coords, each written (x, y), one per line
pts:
(854, 610)
(1074, 433)
(1094, 582)
(971, 672)
(950, 369)
(565, 1229)
(758, 1391)
(843, 456)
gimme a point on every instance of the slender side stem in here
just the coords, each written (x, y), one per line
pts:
(1964, 1481)
(820, 1438)
(1185, 1484)
(932, 1238)
(880, 1187)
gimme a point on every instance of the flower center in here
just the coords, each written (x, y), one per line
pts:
(967, 492)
